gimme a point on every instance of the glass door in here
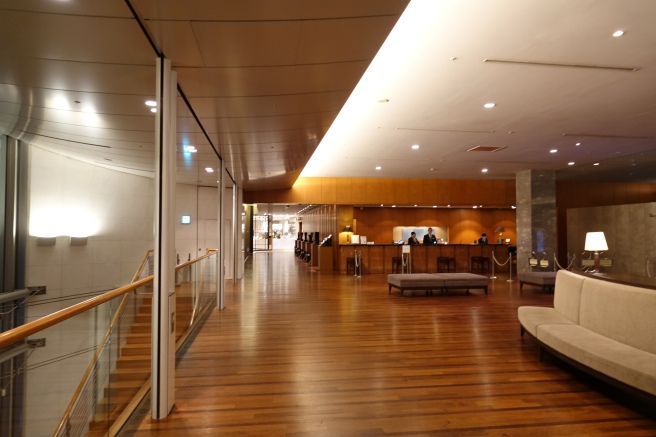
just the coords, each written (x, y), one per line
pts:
(261, 232)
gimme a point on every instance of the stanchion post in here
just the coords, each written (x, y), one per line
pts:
(510, 279)
(494, 261)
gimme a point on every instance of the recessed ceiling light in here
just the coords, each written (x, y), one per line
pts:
(393, 206)
(570, 163)
(209, 169)
(381, 204)
(151, 103)
(378, 167)
(415, 205)
(434, 206)
(190, 149)
(596, 163)
(618, 33)
(513, 207)
(489, 105)
(448, 206)
(415, 146)
(553, 150)
(484, 170)
(577, 144)
(474, 206)
(431, 169)
(153, 109)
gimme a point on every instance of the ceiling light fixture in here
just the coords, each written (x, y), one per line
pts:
(489, 105)
(577, 144)
(209, 169)
(190, 149)
(153, 109)
(415, 146)
(474, 206)
(151, 103)
(570, 163)
(596, 163)
(553, 150)
(434, 206)
(379, 167)
(618, 33)
(484, 170)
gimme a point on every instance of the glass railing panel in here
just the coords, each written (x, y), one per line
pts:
(195, 291)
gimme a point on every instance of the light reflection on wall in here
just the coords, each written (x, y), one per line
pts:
(72, 221)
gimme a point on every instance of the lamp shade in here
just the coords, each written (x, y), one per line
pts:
(500, 229)
(595, 241)
(348, 229)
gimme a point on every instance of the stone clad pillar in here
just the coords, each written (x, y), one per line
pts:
(536, 216)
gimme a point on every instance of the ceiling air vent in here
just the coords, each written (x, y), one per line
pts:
(485, 149)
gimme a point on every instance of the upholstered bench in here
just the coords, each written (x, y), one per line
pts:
(414, 281)
(463, 281)
(546, 280)
(436, 281)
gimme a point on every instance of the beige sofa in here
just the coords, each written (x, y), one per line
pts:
(606, 327)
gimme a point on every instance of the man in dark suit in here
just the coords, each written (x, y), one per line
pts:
(430, 237)
(413, 238)
(483, 239)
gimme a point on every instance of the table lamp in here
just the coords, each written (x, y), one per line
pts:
(595, 242)
(500, 230)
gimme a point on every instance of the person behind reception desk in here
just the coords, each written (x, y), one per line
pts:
(430, 237)
(483, 239)
(413, 238)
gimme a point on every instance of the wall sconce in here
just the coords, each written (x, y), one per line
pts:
(595, 242)
(46, 241)
(78, 241)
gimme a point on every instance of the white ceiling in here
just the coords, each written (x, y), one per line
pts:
(561, 78)
(262, 81)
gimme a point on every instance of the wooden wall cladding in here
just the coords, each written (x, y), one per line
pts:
(588, 194)
(465, 224)
(405, 192)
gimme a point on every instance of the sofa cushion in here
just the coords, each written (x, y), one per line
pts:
(415, 280)
(532, 317)
(621, 312)
(567, 296)
(627, 364)
(462, 280)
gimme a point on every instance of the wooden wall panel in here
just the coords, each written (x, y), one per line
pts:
(442, 193)
(406, 192)
(328, 190)
(430, 192)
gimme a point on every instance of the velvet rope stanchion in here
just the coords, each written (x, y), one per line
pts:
(494, 259)
(557, 264)
(510, 279)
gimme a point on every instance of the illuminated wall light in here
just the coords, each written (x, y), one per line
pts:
(66, 221)
(434, 206)
(513, 207)
(393, 206)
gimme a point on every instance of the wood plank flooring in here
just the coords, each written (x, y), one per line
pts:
(302, 353)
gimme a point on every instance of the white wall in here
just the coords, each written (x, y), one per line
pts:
(121, 205)
(201, 203)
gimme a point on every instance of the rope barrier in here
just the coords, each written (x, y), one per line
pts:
(557, 264)
(494, 258)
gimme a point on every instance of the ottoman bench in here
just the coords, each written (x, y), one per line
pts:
(414, 281)
(436, 281)
(546, 280)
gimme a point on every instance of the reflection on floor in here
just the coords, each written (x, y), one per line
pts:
(297, 352)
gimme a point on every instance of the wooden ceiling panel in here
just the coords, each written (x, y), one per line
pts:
(349, 39)
(177, 41)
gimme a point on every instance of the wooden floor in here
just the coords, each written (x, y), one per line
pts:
(302, 353)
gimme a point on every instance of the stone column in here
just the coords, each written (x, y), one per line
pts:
(536, 216)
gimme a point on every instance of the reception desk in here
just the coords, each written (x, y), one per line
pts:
(378, 258)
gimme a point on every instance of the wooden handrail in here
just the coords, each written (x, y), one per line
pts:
(141, 266)
(23, 331)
